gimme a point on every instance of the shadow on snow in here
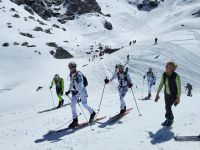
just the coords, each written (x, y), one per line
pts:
(162, 135)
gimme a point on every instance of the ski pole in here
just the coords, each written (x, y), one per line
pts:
(143, 88)
(52, 98)
(101, 97)
(136, 103)
(83, 113)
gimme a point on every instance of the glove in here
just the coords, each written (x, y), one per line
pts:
(50, 87)
(74, 93)
(106, 81)
(130, 85)
(154, 83)
(67, 93)
(143, 77)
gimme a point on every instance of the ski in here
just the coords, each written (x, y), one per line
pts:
(119, 116)
(144, 99)
(187, 138)
(51, 109)
(81, 125)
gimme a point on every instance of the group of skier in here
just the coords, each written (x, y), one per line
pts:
(78, 82)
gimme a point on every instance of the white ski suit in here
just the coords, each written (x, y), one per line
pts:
(123, 80)
(151, 79)
(76, 84)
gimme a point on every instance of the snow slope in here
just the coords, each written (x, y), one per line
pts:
(22, 71)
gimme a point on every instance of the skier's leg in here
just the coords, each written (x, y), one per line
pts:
(168, 106)
(83, 97)
(122, 93)
(73, 107)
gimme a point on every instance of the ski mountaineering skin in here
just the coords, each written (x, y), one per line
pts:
(78, 83)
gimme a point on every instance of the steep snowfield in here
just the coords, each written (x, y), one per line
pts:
(22, 71)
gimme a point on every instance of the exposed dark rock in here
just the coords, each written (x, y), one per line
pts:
(63, 29)
(47, 31)
(41, 22)
(26, 34)
(16, 16)
(5, 44)
(12, 9)
(146, 5)
(25, 44)
(15, 43)
(31, 45)
(52, 44)
(61, 53)
(108, 25)
(38, 29)
(108, 15)
(55, 26)
(27, 8)
(31, 17)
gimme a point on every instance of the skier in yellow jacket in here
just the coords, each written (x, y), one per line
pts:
(59, 83)
(172, 92)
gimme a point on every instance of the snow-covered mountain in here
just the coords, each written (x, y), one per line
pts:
(29, 42)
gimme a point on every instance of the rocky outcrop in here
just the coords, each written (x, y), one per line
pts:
(61, 53)
(79, 7)
(108, 25)
(146, 5)
(43, 8)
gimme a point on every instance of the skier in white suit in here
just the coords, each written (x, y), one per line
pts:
(77, 88)
(151, 80)
(124, 81)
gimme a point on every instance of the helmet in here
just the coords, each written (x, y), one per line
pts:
(72, 65)
(56, 77)
(150, 69)
(120, 66)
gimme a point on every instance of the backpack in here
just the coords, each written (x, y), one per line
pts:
(85, 81)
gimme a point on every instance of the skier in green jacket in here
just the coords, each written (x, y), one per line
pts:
(172, 92)
(59, 83)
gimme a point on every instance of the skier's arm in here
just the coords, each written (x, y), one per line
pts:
(178, 83)
(80, 82)
(71, 85)
(129, 78)
(62, 83)
(160, 85)
(154, 78)
(114, 76)
(52, 83)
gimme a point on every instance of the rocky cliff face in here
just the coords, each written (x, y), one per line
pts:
(146, 5)
(73, 7)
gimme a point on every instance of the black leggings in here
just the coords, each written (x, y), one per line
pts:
(169, 101)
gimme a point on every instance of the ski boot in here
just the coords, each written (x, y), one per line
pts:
(59, 104)
(74, 123)
(62, 102)
(92, 117)
(167, 123)
(122, 111)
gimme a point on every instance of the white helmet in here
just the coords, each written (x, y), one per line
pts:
(72, 65)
